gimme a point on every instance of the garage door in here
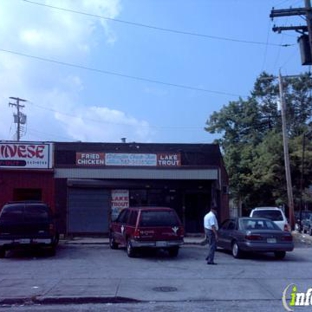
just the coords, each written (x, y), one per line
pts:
(88, 210)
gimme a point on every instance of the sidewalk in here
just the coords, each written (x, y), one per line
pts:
(189, 240)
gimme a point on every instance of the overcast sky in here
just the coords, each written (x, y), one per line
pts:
(144, 70)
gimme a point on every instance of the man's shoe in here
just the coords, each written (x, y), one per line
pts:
(211, 263)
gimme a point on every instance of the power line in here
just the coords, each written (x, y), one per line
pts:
(174, 31)
(115, 123)
(101, 71)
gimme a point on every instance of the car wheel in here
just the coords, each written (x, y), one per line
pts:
(280, 254)
(236, 251)
(56, 239)
(310, 232)
(112, 243)
(52, 251)
(173, 251)
(130, 249)
(2, 252)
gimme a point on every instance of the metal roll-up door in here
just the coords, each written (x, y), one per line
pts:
(88, 210)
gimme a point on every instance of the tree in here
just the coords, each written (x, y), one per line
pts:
(251, 140)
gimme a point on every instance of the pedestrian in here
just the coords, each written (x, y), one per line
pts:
(211, 228)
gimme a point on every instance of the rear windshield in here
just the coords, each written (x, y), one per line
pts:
(159, 218)
(274, 215)
(253, 223)
(12, 213)
(36, 213)
(16, 213)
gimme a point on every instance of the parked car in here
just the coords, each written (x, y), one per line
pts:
(275, 214)
(307, 225)
(247, 234)
(27, 224)
(147, 227)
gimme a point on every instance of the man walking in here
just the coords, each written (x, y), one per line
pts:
(211, 228)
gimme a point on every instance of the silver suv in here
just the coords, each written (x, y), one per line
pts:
(275, 214)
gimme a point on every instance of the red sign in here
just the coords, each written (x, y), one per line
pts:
(168, 160)
(90, 159)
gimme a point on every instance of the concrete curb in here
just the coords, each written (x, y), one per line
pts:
(105, 241)
(65, 300)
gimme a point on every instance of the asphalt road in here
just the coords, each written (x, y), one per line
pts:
(91, 277)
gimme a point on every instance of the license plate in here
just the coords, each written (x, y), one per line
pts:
(23, 241)
(161, 244)
(271, 240)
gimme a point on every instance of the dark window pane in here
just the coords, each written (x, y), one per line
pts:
(158, 218)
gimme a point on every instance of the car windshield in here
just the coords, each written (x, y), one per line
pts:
(158, 218)
(274, 215)
(253, 223)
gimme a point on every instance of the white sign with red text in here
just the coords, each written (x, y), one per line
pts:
(26, 155)
(120, 200)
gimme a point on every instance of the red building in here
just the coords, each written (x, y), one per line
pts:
(26, 172)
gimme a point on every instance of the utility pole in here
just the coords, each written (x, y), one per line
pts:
(286, 154)
(19, 118)
(305, 40)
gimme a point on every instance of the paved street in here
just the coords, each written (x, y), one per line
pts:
(93, 273)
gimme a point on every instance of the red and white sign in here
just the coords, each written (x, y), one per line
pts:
(26, 155)
(120, 200)
(168, 160)
(90, 159)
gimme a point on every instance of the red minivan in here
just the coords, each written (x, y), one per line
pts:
(147, 227)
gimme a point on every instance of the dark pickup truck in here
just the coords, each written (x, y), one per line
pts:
(27, 224)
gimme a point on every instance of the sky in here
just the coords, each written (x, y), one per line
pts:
(149, 71)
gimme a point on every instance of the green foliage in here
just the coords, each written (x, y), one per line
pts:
(252, 144)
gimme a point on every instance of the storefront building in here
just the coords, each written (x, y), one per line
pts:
(88, 184)
(94, 181)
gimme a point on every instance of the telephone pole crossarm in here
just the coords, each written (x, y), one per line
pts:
(18, 115)
(287, 12)
(279, 29)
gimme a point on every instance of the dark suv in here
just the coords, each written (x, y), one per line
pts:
(147, 227)
(27, 224)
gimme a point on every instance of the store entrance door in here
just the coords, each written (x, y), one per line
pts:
(195, 209)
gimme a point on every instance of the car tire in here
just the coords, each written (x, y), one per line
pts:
(236, 251)
(310, 232)
(52, 251)
(2, 252)
(112, 243)
(130, 249)
(56, 240)
(173, 251)
(280, 254)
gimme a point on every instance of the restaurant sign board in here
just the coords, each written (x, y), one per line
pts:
(28, 155)
(95, 159)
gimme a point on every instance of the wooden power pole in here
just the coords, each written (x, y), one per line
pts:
(286, 154)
